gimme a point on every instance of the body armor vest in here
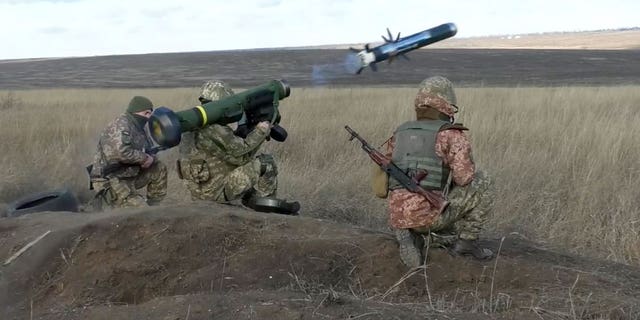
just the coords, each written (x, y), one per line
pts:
(415, 154)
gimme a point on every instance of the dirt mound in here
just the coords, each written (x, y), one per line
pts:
(225, 262)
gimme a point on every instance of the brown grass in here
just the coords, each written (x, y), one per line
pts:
(565, 159)
(592, 40)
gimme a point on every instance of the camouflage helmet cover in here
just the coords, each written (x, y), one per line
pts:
(215, 90)
(437, 93)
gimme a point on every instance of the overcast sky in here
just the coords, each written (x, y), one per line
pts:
(59, 28)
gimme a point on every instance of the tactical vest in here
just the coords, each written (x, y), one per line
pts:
(415, 153)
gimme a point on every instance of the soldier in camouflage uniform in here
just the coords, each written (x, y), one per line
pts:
(121, 165)
(434, 145)
(219, 166)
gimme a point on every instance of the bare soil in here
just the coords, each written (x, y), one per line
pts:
(224, 262)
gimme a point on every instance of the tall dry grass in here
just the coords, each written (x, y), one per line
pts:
(565, 160)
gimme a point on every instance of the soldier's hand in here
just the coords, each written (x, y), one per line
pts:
(264, 125)
(147, 162)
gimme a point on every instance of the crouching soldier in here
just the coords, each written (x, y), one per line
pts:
(438, 153)
(220, 166)
(122, 164)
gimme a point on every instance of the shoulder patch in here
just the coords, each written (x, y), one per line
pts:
(126, 137)
(454, 126)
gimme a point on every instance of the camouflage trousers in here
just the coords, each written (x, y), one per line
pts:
(258, 177)
(123, 192)
(466, 214)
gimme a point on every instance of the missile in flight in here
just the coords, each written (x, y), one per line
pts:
(391, 48)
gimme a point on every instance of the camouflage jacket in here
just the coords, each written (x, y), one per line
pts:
(218, 143)
(216, 152)
(121, 148)
(410, 210)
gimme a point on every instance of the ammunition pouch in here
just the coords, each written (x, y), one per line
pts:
(118, 190)
(380, 182)
(100, 183)
(104, 194)
(267, 165)
(112, 191)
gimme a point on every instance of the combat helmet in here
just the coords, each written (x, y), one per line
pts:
(214, 90)
(436, 92)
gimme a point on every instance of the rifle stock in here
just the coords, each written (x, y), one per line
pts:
(389, 167)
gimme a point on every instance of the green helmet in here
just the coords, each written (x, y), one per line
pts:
(214, 90)
(440, 86)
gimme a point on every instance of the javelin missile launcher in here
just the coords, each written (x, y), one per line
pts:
(248, 108)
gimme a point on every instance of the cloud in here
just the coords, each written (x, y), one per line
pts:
(161, 12)
(35, 1)
(53, 30)
(269, 3)
(95, 27)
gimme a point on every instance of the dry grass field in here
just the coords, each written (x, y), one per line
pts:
(599, 40)
(627, 39)
(565, 159)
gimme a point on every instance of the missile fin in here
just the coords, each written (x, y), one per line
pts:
(390, 35)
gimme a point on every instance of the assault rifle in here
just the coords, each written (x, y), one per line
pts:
(115, 167)
(390, 168)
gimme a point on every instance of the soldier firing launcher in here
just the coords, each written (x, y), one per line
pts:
(248, 108)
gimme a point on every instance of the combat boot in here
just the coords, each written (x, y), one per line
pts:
(471, 247)
(410, 253)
